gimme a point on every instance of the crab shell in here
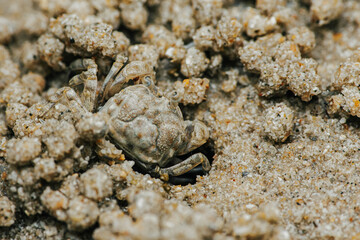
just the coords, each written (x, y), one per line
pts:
(149, 128)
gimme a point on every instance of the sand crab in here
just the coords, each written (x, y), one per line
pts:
(149, 127)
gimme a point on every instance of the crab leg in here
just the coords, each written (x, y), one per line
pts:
(80, 65)
(88, 78)
(185, 166)
(115, 68)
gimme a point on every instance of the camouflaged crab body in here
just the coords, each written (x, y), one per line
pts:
(147, 127)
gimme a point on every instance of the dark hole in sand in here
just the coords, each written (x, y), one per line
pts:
(189, 177)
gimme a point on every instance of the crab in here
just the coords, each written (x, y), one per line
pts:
(139, 120)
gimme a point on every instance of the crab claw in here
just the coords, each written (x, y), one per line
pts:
(199, 134)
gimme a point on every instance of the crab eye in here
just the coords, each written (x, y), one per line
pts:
(148, 81)
(175, 96)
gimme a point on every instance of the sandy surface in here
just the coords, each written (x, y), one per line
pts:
(276, 82)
